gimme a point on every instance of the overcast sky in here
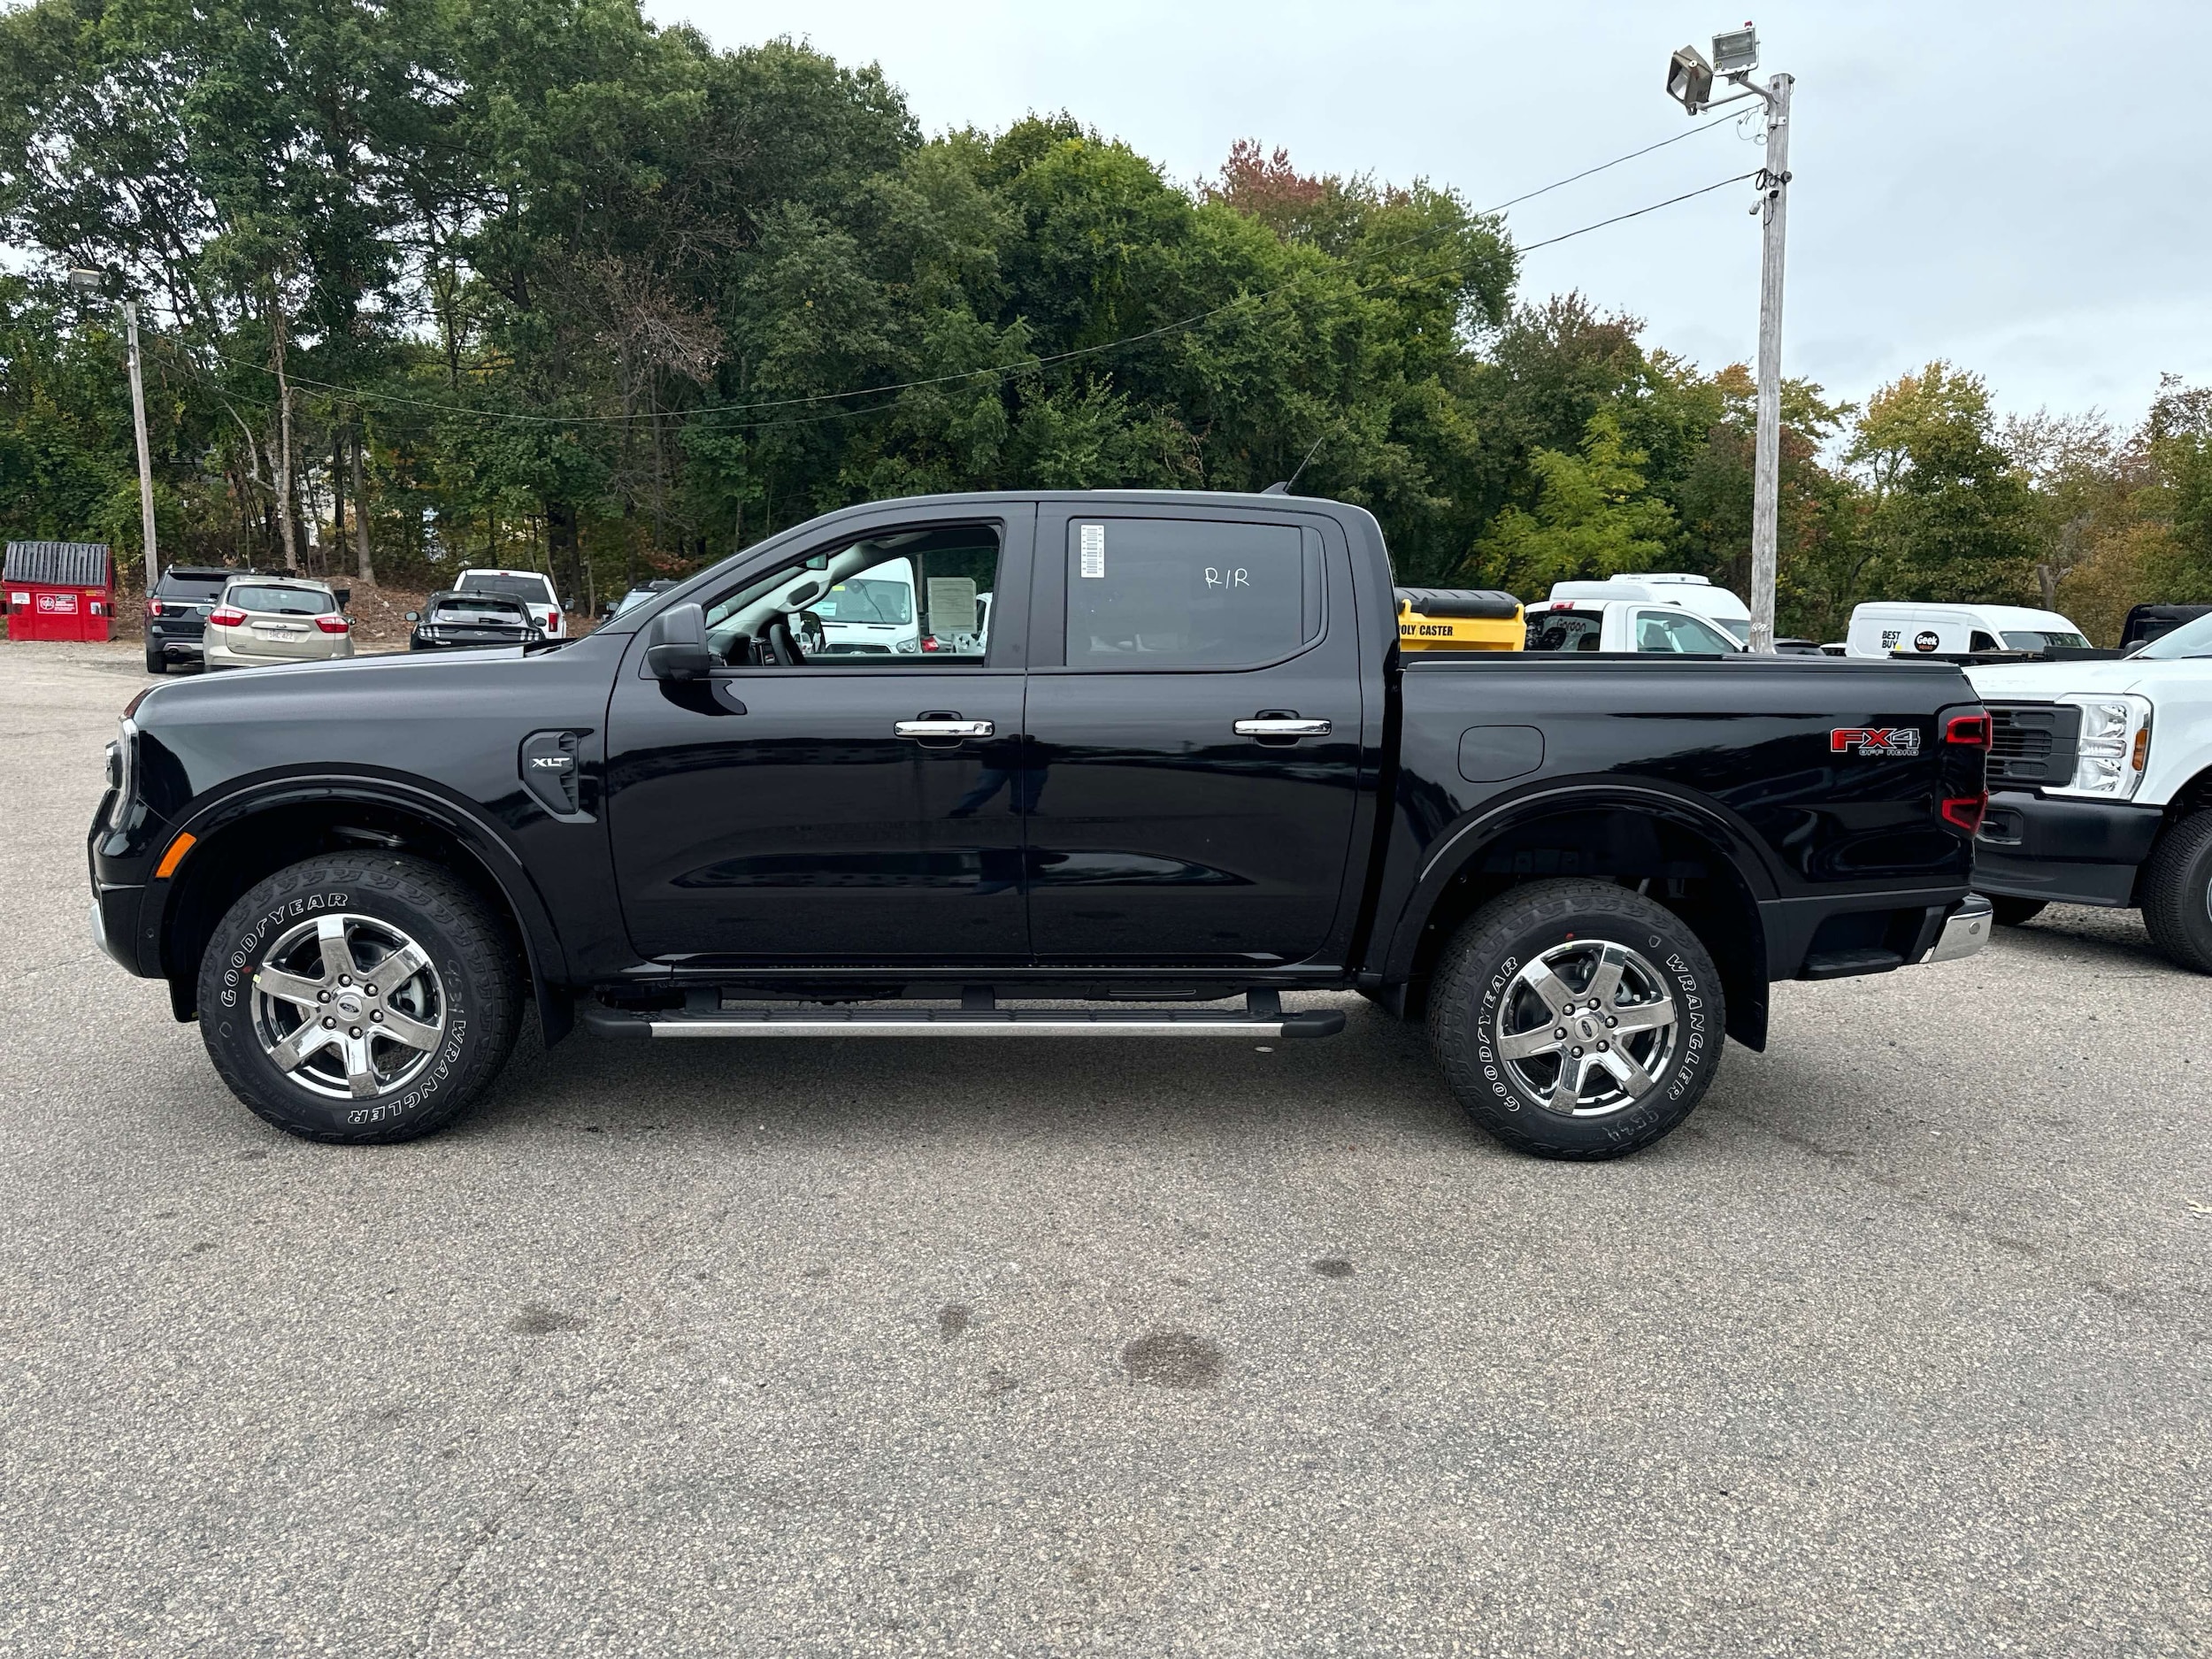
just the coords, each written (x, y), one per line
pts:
(2018, 188)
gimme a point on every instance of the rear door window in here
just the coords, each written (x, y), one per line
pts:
(1565, 631)
(1183, 593)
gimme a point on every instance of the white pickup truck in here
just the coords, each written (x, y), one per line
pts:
(2101, 789)
(1624, 624)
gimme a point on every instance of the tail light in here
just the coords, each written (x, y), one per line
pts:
(332, 625)
(552, 620)
(929, 643)
(227, 617)
(1965, 811)
(153, 607)
(1968, 730)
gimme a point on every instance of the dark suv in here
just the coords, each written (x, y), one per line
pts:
(176, 613)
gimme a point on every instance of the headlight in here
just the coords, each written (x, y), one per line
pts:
(122, 770)
(2114, 746)
(912, 647)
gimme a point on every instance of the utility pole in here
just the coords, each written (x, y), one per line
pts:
(87, 281)
(1690, 82)
(145, 461)
(1766, 478)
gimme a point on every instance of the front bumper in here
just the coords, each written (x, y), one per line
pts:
(2068, 852)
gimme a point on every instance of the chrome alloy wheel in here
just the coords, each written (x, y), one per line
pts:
(347, 1006)
(1588, 1028)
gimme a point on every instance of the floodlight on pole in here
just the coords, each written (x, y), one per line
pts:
(1690, 79)
(89, 281)
(1690, 83)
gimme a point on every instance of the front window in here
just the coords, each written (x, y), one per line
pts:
(270, 599)
(479, 611)
(2192, 638)
(1676, 631)
(1565, 631)
(1738, 628)
(914, 598)
(2043, 639)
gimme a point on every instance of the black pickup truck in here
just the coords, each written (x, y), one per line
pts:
(1095, 764)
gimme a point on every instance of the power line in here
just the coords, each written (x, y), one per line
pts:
(1639, 212)
(1530, 196)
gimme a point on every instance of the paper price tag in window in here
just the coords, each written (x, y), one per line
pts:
(1094, 550)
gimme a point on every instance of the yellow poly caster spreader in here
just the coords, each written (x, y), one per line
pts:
(1459, 620)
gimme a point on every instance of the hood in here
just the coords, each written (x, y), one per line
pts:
(2040, 682)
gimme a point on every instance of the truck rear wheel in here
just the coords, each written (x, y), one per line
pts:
(2176, 889)
(359, 997)
(1577, 1020)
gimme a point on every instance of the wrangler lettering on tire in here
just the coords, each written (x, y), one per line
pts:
(359, 997)
(1575, 1019)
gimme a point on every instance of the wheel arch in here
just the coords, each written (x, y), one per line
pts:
(245, 837)
(1682, 853)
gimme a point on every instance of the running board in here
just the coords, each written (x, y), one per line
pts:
(963, 1022)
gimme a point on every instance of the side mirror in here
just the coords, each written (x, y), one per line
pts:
(678, 649)
(414, 615)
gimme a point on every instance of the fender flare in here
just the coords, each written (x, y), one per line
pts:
(1451, 853)
(502, 865)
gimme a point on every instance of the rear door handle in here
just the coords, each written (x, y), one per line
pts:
(1282, 725)
(950, 726)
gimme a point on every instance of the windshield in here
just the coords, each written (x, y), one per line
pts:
(2192, 638)
(2043, 639)
(283, 601)
(534, 589)
(867, 599)
(1739, 626)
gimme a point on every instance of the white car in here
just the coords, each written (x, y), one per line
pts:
(1887, 628)
(532, 587)
(2101, 789)
(1624, 625)
(261, 620)
(1716, 605)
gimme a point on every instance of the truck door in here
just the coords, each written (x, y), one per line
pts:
(1193, 735)
(825, 799)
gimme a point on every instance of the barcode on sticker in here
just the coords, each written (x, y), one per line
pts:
(1094, 550)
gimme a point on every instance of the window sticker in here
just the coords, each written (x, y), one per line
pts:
(1093, 550)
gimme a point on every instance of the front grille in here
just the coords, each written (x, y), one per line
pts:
(2032, 743)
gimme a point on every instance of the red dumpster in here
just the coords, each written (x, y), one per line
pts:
(60, 590)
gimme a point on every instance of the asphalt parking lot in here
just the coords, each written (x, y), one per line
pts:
(1900, 1346)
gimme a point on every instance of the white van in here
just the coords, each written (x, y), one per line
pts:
(1884, 630)
(1668, 588)
(871, 614)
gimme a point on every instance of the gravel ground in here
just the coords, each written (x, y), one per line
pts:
(909, 1347)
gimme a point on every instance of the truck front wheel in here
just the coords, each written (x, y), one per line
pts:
(2176, 888)
(1577, 1020)
(359, 997)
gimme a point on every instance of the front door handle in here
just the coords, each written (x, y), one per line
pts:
(1282, 725)
(950, 725)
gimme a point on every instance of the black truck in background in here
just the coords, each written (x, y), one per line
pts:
(1150, 755)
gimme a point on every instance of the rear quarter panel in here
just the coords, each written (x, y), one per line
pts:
(1741, 747)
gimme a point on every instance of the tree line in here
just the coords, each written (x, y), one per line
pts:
(435, 282)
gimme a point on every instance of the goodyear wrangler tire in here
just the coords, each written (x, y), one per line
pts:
(1577, 1020)
(2174, 890)
(359, 997)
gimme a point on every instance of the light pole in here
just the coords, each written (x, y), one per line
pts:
(90, 282)
(1690, 82)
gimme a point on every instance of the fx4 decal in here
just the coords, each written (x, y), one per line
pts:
(1875, 740)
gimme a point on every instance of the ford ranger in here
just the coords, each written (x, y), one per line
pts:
(1184, 772)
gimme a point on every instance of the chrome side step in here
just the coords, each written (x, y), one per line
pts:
(1261, 1018)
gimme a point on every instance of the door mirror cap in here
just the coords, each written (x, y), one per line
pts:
(678, 648)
